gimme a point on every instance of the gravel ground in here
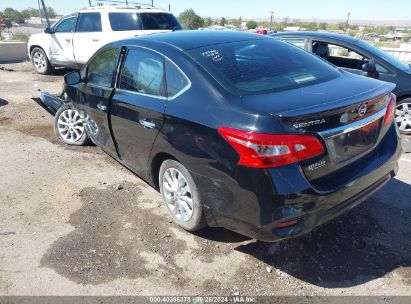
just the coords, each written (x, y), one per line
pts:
(74, 222)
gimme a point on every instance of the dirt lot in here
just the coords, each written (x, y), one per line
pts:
(68, 228)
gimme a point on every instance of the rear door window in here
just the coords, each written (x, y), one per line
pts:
(125, 22)
(339, 55)
(89, 22)
(143, 72)
(159, 21)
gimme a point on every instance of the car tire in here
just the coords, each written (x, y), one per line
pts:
(40, 61)
(181, 196)
(69, 127)
(403, 116)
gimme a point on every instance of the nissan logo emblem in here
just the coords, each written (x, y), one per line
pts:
(362, 110)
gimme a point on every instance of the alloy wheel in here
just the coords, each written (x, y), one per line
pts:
(39, 61)
(178, 194)
(70, 125)
(403, 117)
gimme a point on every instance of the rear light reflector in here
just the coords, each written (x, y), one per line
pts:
(260, 150)
(286, 224)
(391, 107)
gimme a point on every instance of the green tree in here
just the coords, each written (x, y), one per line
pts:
(223, 21)
(208, 22)
(322, 26)
(29, 12)
(341, 26)
(8, 23)
(12, 15)
(51, 12)
(251, 25)
(190, 20)
(312, 26)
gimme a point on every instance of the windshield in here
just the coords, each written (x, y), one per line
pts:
(384, 55)
(262, 66)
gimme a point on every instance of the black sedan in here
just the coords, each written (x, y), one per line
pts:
(236, 130)
(359, 57)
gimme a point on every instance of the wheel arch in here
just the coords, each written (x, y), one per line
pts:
(403, 96)
(156, 162)
(32, 47)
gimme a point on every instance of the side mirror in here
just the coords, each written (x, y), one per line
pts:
(369, 67)
(72, 78)
(371, 70)
(48, 30)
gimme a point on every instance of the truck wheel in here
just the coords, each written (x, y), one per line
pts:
(40, 61)
(69, 127)
(403, 116)
(181, 195)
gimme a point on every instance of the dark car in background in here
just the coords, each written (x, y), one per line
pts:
(238, 130)
(360, 57)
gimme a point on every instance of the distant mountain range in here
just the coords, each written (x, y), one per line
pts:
(397, 23)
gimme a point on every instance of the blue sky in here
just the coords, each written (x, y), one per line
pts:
(307, 9)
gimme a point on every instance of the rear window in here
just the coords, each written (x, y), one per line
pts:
(262, 66)
(159, 21)
(89, 22)
(124, 21)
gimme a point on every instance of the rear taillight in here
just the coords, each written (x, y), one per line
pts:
(390, 114)
(268, 150)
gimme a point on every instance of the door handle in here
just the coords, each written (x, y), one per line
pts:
(68, 39)
(147, 124)
(95, 39)
(101, 107)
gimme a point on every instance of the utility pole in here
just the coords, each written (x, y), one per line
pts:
(41, 18)
(348, 20)
(45, 13)
(271, 19)
(152, 3)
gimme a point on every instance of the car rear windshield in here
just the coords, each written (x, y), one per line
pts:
(262, 66)
(143, 21)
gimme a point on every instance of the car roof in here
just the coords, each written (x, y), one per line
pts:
(187, 40)
(122, 8)
(324, 35)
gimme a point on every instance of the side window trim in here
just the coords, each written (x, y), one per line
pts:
(123, 56)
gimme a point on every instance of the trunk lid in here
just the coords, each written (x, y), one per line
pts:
(345, 114)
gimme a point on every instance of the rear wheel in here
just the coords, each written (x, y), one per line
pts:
(40, 61)
(181, 196)
(403, 116)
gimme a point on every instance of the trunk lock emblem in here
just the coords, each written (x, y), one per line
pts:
(362, 109)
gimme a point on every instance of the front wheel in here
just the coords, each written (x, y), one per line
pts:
(40, 61)
(69, 127)
(181, 196)
(403, 116)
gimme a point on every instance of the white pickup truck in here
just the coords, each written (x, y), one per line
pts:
(72, 40)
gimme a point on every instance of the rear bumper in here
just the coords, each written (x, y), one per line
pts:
(249, 209)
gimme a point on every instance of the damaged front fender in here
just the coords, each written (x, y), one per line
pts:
(51, 102)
